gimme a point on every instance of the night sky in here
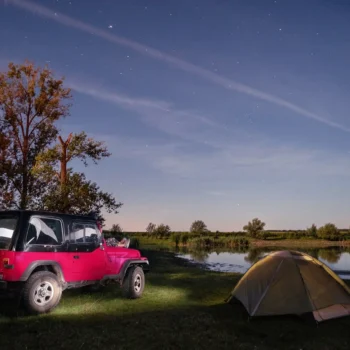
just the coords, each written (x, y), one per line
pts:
(219, 110)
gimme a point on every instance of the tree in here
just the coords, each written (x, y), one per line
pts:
(254, 227)
(312, 231)
(198, 227)
(116, 232)
(31, 102)
(328, 231)
(150, 228)
(162, 231)
(69, 191)
(116, 228)
(53, 162)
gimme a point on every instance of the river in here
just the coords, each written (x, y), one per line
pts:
(337, 258)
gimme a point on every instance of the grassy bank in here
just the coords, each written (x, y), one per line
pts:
(182, 308)
(237, 242)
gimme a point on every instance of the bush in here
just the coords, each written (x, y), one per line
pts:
(228, 242)
(329, 231)
(264, 235)
(199, 227)
(311, 231)
(162, 231)
(254, 227)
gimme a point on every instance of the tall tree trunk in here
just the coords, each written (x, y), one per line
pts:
(63, 172)
(25, 174)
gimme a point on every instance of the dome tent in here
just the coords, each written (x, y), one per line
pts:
(291, 282)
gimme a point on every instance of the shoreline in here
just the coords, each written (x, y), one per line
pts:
(313, 243)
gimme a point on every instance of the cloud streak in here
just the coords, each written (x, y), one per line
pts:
(138, 104)
(238, 163)
(176, 62)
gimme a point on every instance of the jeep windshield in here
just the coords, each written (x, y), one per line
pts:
(7, 227)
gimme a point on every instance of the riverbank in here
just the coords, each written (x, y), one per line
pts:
(290, 243)
(182, 308)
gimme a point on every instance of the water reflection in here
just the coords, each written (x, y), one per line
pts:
(239, 260)
(331, 255)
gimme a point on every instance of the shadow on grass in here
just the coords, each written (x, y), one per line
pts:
(198, 327)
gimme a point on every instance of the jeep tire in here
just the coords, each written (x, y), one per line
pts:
(134, 282)
(42, 292)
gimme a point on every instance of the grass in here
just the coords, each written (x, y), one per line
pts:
(182, 308)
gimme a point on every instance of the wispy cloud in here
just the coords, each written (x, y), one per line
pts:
(187, 125)
(254, 160)
(230, 153)
(176, 62)
(216, 193)
(137, 103)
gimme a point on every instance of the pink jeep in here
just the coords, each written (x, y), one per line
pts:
(42, 254)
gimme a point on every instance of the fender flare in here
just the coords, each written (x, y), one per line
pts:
(130, 263)
(32, 266)
(124, 269)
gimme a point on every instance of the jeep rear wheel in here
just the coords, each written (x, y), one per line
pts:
(42, 292)
(134, 283)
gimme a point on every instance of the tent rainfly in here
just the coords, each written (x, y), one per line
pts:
(291, 282)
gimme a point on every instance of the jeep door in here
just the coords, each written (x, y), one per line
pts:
(87, 258)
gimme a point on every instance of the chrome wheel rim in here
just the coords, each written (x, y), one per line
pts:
(43, 293)
(137, 283)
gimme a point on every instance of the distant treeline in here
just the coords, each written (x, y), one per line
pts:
(254, 230)
(269, 234)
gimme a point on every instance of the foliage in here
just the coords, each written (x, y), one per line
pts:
(82, 197)
(227, 242)
(264, 235)
(329, 231)
(116, 228)
(34, 171)
(312, 231)
(150, 228)
(198, 227)
(254, 227)
(162, 231)
(69, 191)
(31, 102)
(271, 235)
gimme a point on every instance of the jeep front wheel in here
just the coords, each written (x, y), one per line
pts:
(42, 292)
(134, 283)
